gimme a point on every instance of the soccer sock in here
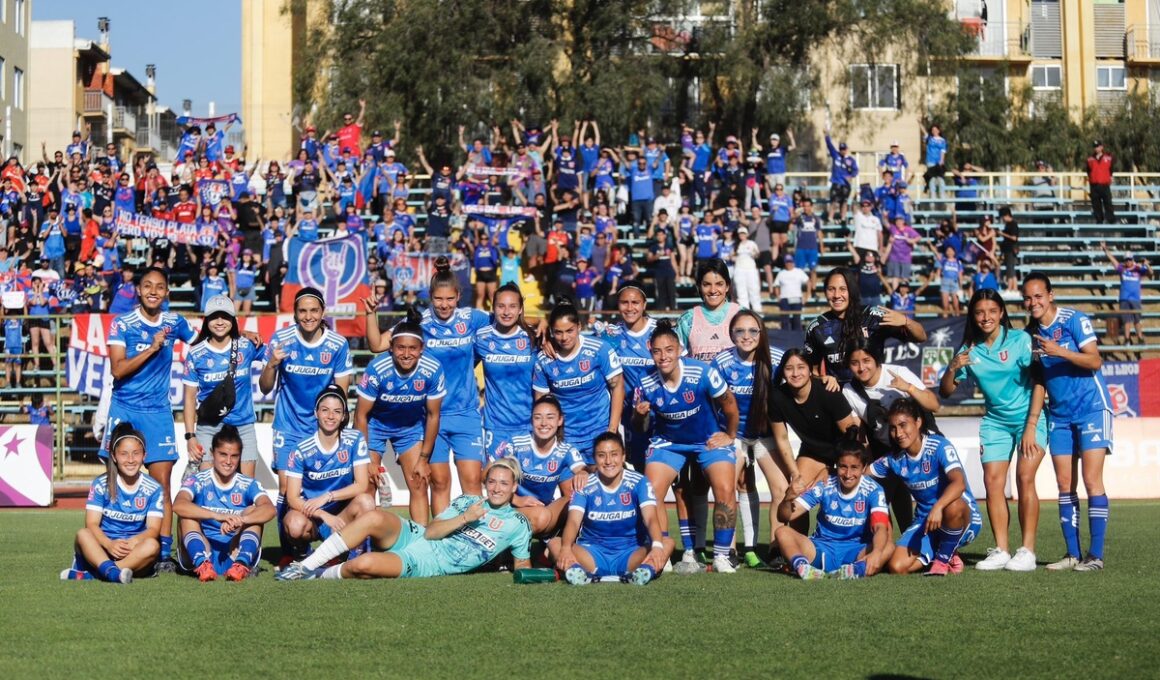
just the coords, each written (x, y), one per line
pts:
(722, 541)
(109, 571)
(332, 573)
(248, 546)
(799, 563)
(747, 509)
(686, 534)
(283, 540)
(946, 542)
(330, 549)
(1069, 521)
(81, 564)
(196, 548)
(860, 568)
(1097, 524)
(166, 547)
(699, 516)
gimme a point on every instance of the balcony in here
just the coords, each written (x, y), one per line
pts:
(1143, 45)
(124, 121)
(148, 140)
(998, 40)
(95, 103)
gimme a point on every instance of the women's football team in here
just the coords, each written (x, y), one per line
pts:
(582, 437)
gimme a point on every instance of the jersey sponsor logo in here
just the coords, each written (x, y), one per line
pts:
(625, 498)
(859, 507)
(689, 396)
(236, 498)
(419, 384)
(343, 455)
(460, 327)
(139, 502)
(585, 365)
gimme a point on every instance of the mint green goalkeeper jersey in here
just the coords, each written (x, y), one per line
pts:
(479, 542)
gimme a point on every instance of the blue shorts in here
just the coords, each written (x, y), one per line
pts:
(324, 530)
(637, 445)
(415, 551)
(918, 541)
(401, 441)
(1087, 433)
(609, 562)
(998, 442)
(829, 555)
(497, 443)
(806, 258)
(285, 441)
(461, 433)
(160, 446)
(677, 456)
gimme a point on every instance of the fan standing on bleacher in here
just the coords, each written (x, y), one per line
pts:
(1099, 170)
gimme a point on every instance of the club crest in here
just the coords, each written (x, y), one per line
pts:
(521, 344)
(625, 498)
(343, 455)
(419, 385)
(926, 466)
(461, 328)
(585, 365)
(495, 524)
(553, 465)
(139, 502)
(324, 357)
(236, 498)
(689, 396)
(1057, 334)
(1003, 356)
(859, 507)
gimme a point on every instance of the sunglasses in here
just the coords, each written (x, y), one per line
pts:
(747, 331)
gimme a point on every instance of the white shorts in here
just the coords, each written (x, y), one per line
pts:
(752, 450)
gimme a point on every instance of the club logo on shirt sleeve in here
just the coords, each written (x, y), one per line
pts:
(236, 498)
(343, 455)
(139, 502)
(859, 507)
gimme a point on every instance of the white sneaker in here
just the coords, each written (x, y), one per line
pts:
(1023, 560)
(996, 559)
(668, 567)
(1068, 563)
(723, 565)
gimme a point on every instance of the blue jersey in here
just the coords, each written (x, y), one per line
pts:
(706, 236)
(613, 517)
(845, 517)
(307, 230)
(126, 516)
(635, 357)
(477, 543)
(950, 269)
(323, 471)
(543, 472)
(925, 474)
(13, 336)
(1072, 392)
(686, 414)
(508, 362)
(230, 499)
(739, 375)
(400, 401)
(775, 160)
(147, 388)
(780, 207)
(303, 373)
(451, 343)
(580, 382)
(895, 163)
(935, 148)
(206, 367)
(1130, 280)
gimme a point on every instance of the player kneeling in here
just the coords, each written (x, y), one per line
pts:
(221, 514)
(471, 532)
(122, 516)
(852, 538)
(327, 477)
(609, 532)
(946, 517)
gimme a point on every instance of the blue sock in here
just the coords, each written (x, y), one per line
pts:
(860, 568)
(196, 548)
(248, 546)
(946, 542)
(166, 547)
(283, 541)
(722, 541)
(1069, 521)
(686, 534)
(799, 562)
(81, 564)
(109, 571)
(1098, 523)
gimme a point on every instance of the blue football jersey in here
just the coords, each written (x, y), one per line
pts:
(925, 474)
(324, 471)
(147, 388)
(477, 543)
(739, 376)
(452, 344)
(844, 517)
(508, 362)
(613, 517)
(206, 367)
(229, 499)
(13, 336)
(580, 382)
(400, 400)
(635, 356)
(687, 414)
(126, 516)
(1072, 392)
(543, 472)
(306, 371)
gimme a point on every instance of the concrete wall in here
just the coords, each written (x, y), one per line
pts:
(53, 110)
(268, 57)
(14, 49)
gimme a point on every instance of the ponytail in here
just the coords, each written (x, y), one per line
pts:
(443, 275)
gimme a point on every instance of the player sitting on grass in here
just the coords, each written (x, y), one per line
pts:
(221, 514)
(122, 516)
(852, 538)
(471, 532)
(327, 476)
(946, 517)
(612, 527)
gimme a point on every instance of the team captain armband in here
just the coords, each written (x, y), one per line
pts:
(879, 517)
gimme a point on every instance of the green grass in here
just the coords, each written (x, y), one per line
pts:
(974, 625)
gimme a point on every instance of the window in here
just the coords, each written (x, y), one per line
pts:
(18, 88)
(1111, 78)
(1047, 77)
(18, 10)
(3, 85)
(874, 86)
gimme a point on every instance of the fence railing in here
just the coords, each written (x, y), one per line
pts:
(998, 38)
(96, 101)
(1143, 42)
(124, 118)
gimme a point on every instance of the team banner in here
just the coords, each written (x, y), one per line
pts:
(488, 171)
(500, 210)
(212, 191)
(338, 268)
(410, 272)
(136, 225)
(217, 120)
(25, 466)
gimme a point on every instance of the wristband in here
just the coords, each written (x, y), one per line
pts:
(189, 435)
(658, 545)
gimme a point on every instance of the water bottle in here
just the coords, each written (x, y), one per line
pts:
(384, 484)
(525, 576)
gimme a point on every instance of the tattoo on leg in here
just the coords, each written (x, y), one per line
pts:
(724, 516)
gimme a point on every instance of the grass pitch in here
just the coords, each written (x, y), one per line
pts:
(746, 625)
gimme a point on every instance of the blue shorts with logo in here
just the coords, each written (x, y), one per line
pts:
(285, 441)
(160, 446)
(461, 433)
(677, 456)
(829, 555)
(609, 561)
(806, 258)
(918, 541)
(401, 440)
(1088, 433)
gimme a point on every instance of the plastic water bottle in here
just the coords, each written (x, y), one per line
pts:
(384, 484)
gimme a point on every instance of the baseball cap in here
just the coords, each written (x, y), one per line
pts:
(743, 230)
(901, 185)
(1097, 143)
(775, 136)
(376, 133)
(229, 148)
(788, 258)
(390, 152)
(311, 128)
(219, 304)
(1129, 256)
(895, 143)
(843, 147)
